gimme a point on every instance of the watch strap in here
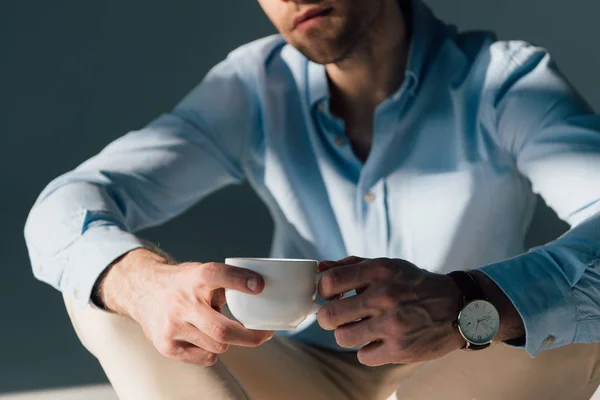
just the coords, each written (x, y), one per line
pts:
(473, 346)
(471, 291)
(468, 286)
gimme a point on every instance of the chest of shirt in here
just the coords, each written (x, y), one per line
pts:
(433, 175)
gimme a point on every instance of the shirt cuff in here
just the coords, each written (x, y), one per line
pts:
(90, 255)
(543, 301)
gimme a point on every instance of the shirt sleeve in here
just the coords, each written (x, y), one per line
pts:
(554, 138)
(86, 218)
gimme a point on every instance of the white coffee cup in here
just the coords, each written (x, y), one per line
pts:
(287, 299)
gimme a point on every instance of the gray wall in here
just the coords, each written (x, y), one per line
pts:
(76, 74)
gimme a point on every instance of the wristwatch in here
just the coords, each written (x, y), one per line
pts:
(479, 321)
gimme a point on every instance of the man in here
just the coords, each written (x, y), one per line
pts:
(367, 128)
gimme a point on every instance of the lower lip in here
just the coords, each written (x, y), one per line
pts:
(309, 23)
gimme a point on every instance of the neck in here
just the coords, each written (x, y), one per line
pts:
(375, 70)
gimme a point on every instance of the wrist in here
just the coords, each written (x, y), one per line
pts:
(511, 323)
(125, 281)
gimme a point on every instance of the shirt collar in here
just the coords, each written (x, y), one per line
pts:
(424, 26)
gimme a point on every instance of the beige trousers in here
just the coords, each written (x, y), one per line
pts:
(284, 369)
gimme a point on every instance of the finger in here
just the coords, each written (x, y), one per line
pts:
(224, 330)
(325, 265)
(191, 354)
(357, 333)
(340, 280)
(343, 311)
(190, 334)
(217, 275)
(375, 354)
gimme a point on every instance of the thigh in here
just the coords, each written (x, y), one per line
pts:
(279, 369)
(287, 369)
(137, 371)
(502, 372)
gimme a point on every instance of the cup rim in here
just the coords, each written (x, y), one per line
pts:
(270, 259)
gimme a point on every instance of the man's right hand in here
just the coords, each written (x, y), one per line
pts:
(179, 305)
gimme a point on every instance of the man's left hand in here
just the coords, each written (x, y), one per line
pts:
(404, 313)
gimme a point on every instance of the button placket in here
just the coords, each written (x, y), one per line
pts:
(374, 219)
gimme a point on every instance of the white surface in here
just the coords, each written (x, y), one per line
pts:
(99, 392)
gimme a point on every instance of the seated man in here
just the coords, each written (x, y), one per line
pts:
(368, 128)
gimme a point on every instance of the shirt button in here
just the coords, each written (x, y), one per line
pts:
(321, 106)
(41, 268)
(339, 141)
(76, 293)
(369, 197)
(549, 341)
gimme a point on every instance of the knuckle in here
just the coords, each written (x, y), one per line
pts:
(381, 272)
(328, 283)
(384, 299)
(351, 260)
(209, 359)
(221, 348)
(330, 314)
(170, 329)
(220, 333)
(341, 337)
(337, 276)
(383, 260)
(208, 272)
(167, 348)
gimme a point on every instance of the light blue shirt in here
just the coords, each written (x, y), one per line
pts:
(477, 128)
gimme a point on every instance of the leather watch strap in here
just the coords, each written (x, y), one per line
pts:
(468, 286)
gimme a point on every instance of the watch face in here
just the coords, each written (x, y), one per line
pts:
(479, 322)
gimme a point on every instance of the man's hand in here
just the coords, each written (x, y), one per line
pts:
(404, 313)
(179, 306)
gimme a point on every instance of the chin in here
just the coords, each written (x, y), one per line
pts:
(319, 51)
(325, 44)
